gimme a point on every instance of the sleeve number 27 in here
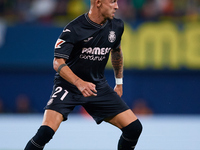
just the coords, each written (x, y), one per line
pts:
(58, 90)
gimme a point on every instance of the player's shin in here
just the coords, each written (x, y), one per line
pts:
(130, 136)
(43, 136)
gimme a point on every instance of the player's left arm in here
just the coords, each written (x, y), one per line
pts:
(117, 63)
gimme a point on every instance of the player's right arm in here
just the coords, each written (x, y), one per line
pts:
(86, 88)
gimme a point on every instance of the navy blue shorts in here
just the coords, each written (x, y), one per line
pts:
(106, 104)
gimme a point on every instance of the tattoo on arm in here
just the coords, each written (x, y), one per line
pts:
(117, 62)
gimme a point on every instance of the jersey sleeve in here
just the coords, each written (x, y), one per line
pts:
(65, 43)
(120, 30)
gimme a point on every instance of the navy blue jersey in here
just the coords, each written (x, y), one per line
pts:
(86, 46)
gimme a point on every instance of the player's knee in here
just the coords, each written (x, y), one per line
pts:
(43, 135)
(132, 131)
(130, 135)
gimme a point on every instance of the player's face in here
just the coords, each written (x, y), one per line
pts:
(109, 8)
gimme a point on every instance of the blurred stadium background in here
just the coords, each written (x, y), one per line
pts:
(161, 48)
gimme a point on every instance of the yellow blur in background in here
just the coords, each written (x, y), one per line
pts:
(161, 46)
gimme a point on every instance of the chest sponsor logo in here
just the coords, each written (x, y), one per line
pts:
(58, 43)
(95, 54)
(112, 37)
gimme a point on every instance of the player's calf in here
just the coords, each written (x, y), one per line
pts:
(130, 135)
(43, 136)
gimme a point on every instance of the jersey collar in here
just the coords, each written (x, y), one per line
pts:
(93, 23)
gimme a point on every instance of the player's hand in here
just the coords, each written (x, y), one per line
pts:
(87, 88)
(118, 89)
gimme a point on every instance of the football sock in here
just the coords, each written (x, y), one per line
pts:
(130, 135)
(43, 136)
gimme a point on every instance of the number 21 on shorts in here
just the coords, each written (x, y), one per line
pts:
(58, 90)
